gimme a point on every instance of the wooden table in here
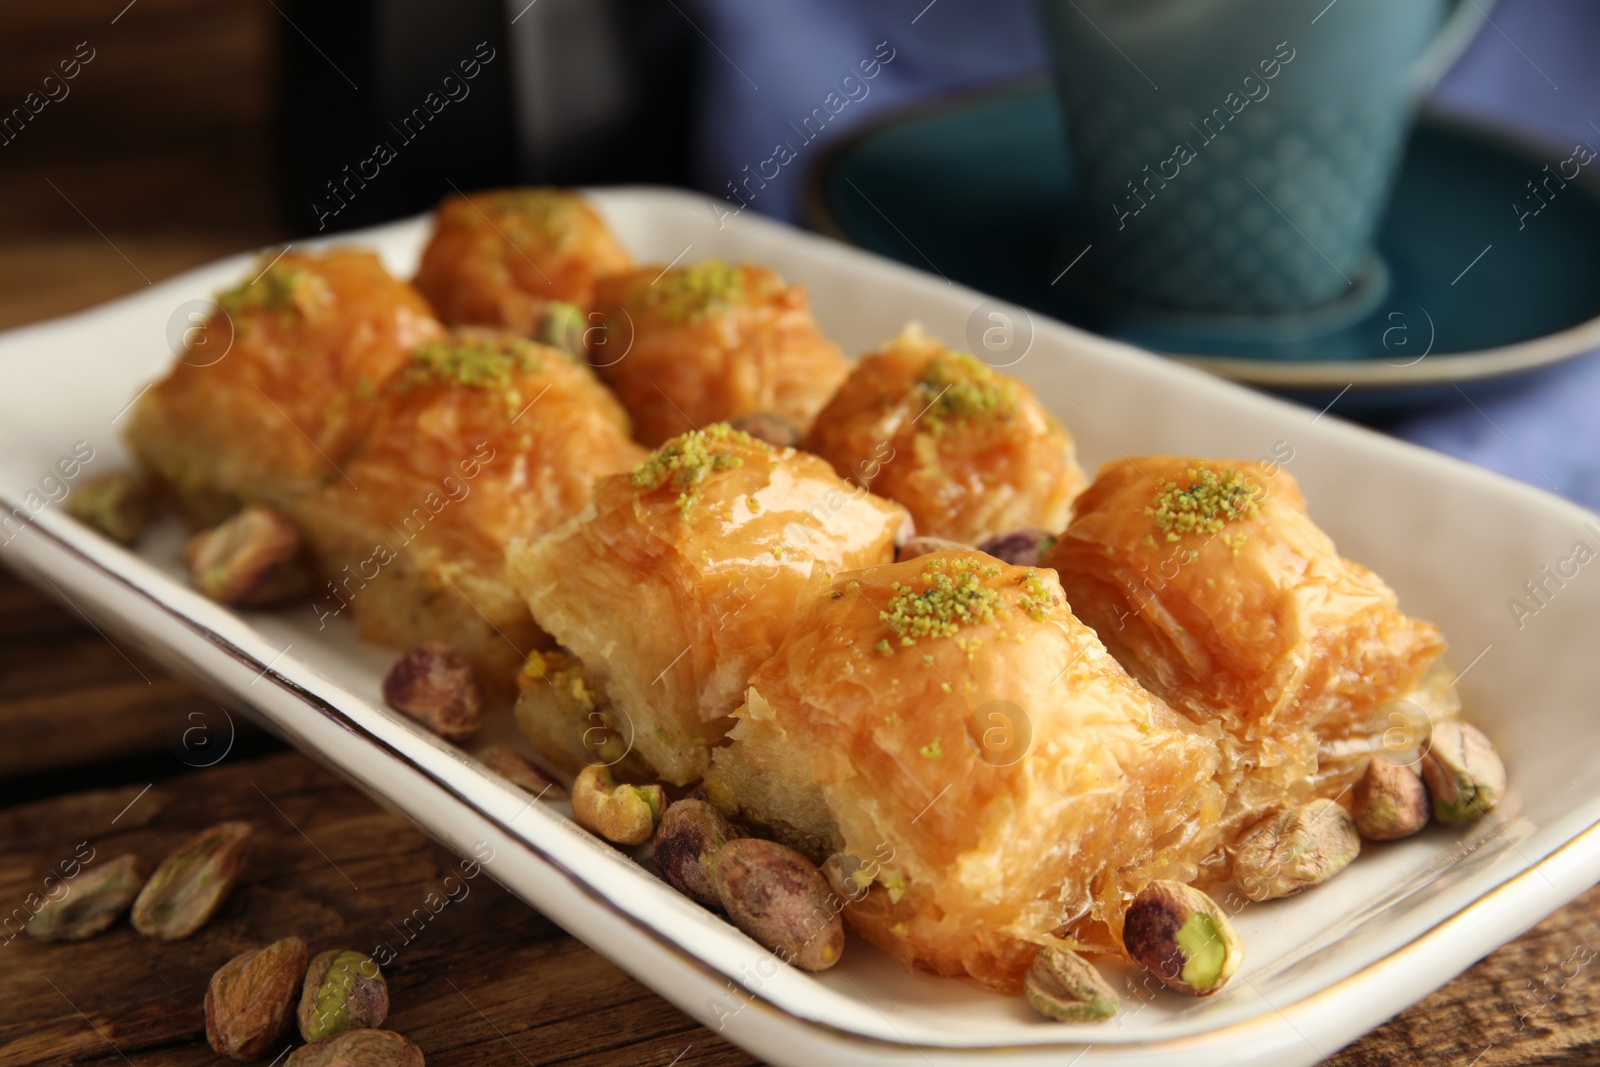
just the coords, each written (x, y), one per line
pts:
(83, 731)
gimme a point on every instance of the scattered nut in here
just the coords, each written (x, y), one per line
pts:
(781, 900)
(251, 999)
(1463, 772)
(775, 430)
(1021, 547)
(1178, 934)
(253, 559)
(923, 546)
(358, 1048)
(94, 900)
(1390, 802)
(518, 771)
(435, 685)
(691, 834)
(344, 990)
(118, 505)
(1295, 849)
(1068, 988)
(562, 326)
(191, 884)
(622, 814)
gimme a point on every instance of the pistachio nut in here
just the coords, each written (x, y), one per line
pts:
(358, 1048)
(1389, 801)
(1021, 548)
(1295, 849)
(1068, 988)
(344, 990)
(622, 814)
(191, 884)
(251, 999)
(924, 546)
(1463, 772)
(435, 685)
(519, 772)
(775, 430)
(94, 900)
(563, 326)
(1182, 937)
(117, 504)
(781, 900)
(254, 559)
(690, 836)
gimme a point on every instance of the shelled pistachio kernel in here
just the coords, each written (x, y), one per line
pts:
(358, 1048)
(251, 999)
(1389, 802)
(1295, 849)
(1463, 772)
(780, 898)
(343, 990)
(254, 559)
(1068, 988)
(690, 836)
(1182, 937)
(622, 814)
(94, 900)
(191, 884)
(119, 505)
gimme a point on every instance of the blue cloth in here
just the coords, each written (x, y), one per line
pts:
(766, 66)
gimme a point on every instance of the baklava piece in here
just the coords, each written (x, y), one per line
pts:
(276, 389)
(689, 346)
(499, 257)
(1211, 584)
(970, 451)
(983, 772)
(677, 582)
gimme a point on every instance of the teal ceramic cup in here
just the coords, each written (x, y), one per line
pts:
(1234, 157)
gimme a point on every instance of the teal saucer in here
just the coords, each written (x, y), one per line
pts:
(976, 190)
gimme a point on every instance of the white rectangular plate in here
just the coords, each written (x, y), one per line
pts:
(1455, 541)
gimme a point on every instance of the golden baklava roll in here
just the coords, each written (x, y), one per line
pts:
(483, 437)
(983, 771)
(969, 451)
(1210, 583)
(680, 579)
(276, 390)
(689, 346)
(500, 256)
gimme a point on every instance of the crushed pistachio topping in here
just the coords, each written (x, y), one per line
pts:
(882, 647)
(1208, 502)
(958, 387)
(523, 216)
(480, 362)
(689, 293)
(278, 288)
(561, 671)
(1037, 599)
(953, 594)
(687, 459)
(932, 750)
